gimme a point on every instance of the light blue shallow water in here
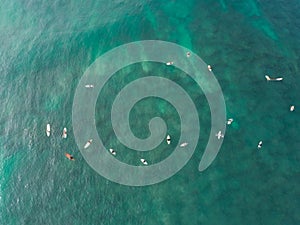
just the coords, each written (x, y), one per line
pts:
(45, 49)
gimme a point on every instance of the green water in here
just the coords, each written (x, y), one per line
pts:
(47, 46)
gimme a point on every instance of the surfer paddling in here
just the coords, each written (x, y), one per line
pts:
(229, 121)
(64, 134)
(292, 108)
(69, 156)
(169, 63)
(89, 86)
(259, 145)
(144, 162)
(89, 142)
(209, 68)
(273, 79)
(113, 152)
(168, 139)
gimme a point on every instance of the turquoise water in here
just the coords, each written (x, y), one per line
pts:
(45, 49)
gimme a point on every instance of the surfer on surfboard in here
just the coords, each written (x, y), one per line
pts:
(69, 156)
(113, 152)
(209, 68)
(259, 144)
(144, 161)
(168, 139)
(229, 121)
(273, 79)
(64, 134)
(292, 108)
(89, 142)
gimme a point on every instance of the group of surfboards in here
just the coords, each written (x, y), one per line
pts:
(268, 78)
(168, 138)
(143, 161)
(64, 135)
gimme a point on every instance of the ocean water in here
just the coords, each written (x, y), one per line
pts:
(47, 46)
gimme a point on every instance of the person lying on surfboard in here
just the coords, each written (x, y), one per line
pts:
(144, 161)
(69, 156)
(259, 144)
(64, 135)
(168, 139)
(113, 152)
(209, 67)
(268, 78)
(229, 121)
(89, 142)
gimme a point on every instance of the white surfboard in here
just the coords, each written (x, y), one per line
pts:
(229, 121)
(112, 151)
(184, 144)
(144, 161)
(89, 86)
(169, 63)
(168, 139)
(259, 144)
(209, 68)
(89, 142)
(64, 134)
(268, 78)
(48, 130)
